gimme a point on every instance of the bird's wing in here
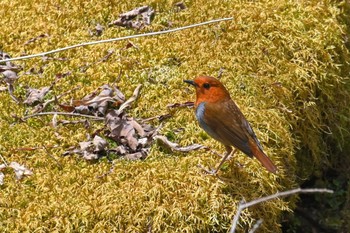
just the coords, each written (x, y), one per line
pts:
(228, 125)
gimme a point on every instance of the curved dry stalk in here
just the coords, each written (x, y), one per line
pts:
(127, 103)
(65, 114)
(115, 39)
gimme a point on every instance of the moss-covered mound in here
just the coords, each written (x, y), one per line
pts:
(285, 63)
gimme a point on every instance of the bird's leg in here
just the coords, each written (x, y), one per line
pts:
(229, 152)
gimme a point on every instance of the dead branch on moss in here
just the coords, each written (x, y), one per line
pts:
(243, 205)
(176, 147)
(114, 39)
(96, 118)
(181, 105)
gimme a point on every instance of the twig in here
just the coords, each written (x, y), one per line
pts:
(243, 205)
(4, 160)
(115, 39)
(66, 114)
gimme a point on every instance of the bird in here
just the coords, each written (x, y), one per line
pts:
(221, 119)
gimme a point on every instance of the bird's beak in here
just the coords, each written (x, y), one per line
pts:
(190, 82)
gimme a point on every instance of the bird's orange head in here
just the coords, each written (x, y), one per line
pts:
(209, 89)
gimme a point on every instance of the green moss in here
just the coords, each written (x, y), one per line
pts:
(285, 63)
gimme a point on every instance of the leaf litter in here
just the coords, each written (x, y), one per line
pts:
(136, 18)
(9, 72)
(122, 134)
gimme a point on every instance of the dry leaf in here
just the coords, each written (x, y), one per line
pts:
(91, 150)
(9, 76)
(99, 143)
(20, 170)
(121, 130)
(8, 65)
(94, 104)
(35, 96)
(136, 18)
(137, 155)
(180, 5)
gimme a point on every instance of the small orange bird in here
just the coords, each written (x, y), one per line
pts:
(220, 117)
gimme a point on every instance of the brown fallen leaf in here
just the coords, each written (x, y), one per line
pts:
(35, 96)
(92, 150)
(137, 155)
(97, 31)
(136, 18)
(94, 104)
(121, 130)
(8, 65)
(9, 76)
(180, 5)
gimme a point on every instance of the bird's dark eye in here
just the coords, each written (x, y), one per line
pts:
(206, 85)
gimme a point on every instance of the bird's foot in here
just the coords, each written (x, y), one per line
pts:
(210, 172)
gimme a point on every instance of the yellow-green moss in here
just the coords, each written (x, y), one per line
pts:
(284, 63)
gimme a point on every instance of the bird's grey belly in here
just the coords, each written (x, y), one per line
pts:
(200, 117)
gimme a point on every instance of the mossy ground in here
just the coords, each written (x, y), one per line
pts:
(284, 63)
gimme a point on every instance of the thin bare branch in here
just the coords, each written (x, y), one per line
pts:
(51, 156)
(65, 114)
(243, 205)
(115, 39)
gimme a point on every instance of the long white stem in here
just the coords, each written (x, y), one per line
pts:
(115, 39)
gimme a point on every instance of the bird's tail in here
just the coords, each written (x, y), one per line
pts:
(263, 159)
